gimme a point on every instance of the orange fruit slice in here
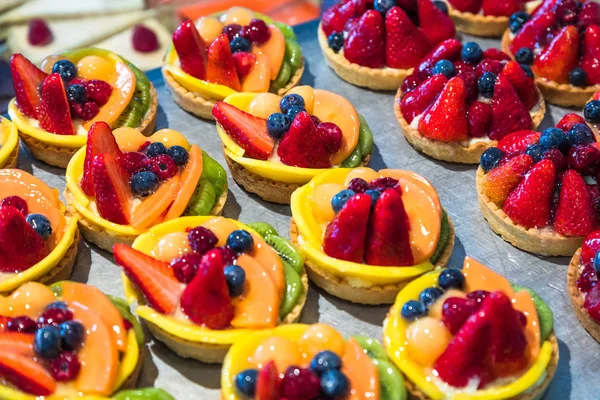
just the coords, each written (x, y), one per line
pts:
(148, 212)
(189, 180)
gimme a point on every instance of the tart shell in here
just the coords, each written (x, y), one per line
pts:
(13, 158)
(577, 300)
(478, 24)
(64, 268)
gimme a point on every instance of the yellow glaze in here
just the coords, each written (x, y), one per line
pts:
(9, 139)
(394, 330)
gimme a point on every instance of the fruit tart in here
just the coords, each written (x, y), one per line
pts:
(377, 44)
(309, 362)
(38, 238)
(461, 100)
(539, 190)
(471, 334)
(366, 234)
(236, 51)
(591, 112)
(9, 144)
(56, 105)
(561, 41)
(122, 183)
(273, 144)
(205, 283)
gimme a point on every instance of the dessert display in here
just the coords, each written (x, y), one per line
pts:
(56, 105)
(123, 183)
(205, 283)
(309, 362)
(236, 51)
(461, 100)
(9, 144)
(273, 144)
(561, 42)
(538, 190)
(377, 44)
(591, 111)
(38, 238)
(366, 234)
(471, 334)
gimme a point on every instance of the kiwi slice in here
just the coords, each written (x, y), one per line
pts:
(372, 347)
(293, 54)
(365, 137)
(288, 31)
(126, 314)
(287, 252)
(203, 200)
(56, 288)
(391, 381)
(283, 78)
(545, 314)
(131, 117)
(263, 229)
(212, 171)
(143, 394)
(140, 103)
(444, 239)
(293, 290)
(354, 159)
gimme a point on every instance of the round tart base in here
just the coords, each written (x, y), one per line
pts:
(578, 299)
(452, 151)
(478, 24)
(374, 295)
(544, 242)
(13, 158)
(372, 78)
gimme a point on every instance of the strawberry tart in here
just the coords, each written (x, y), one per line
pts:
(561, 41)
(236, 51)
(376, 44)
(123, 183)
(56, 105)
(461, 100)
(38, 238)
(309, 362)
(591, 112)
(539, 191)
(471, 334)
(9, 144)
(366, 234)
(205, 283)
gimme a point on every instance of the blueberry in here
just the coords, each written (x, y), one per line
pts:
(339, 200)
(536, 151)
(66, 69)
(277, 125)
(240, 44)
(553, 138)
(490, 158)
(292, 112)
(76, 94)
(325, 361)
(445, 68)
(486, 84)
(451, 278)
(334, 384)
(235, 277)
(517, 20)
(374, 195)
(178, 154)
(336, 41)
(47, 342)
(471, 53)
(61, 305)
(40, 224)
(580, 134)
(430, 295)
(413, 309)
(591, 112)
(524, 56)
(240, 241)
(442, 6)
(290, 101)
(71, 333)
(578, 77)
(527, 70)
(155, 149)
(245, 382)
(144, 183)
(383, 6)
(597, 262)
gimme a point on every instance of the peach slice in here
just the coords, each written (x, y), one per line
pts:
(265, 104)
(362, 374)
(320, 337)
(221, 227)
(274, 48)
(18, 342)
(26, 374)
(269, 260)
(30, 299)
(308, 94)
(148, 212)
(209, 28)
(282, 350)
(523, 302)
(130, 139)
(189, 180)
(480, 277)
(258, 79)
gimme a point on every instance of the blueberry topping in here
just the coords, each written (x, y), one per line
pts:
(553, 138)
(451, 278)
(339, 200)
(374, 195)
(66, 69)
(471, 53)
(40, 224)
(291, 100)
(245, 382)
(597, 262)
(445, 68)
(240, 241)
(76, 94)
(524, 56)
(277, 125)
(240, 44)
(60, 305)
(441, 5)
(292, 112)
(178, 154)
(580, 134)
(334, 384)
(156, 149)
(591, 112)
(413, 309)
(47, 342)
(71, 333)
(325, 361)
(235, 277)
(517, 20)
(536, 151)
(383, 6)
(144, 183)
(490, 158)
(430, 295)
(527, 70)
(336, 41)
(486, 84)
(578, 77)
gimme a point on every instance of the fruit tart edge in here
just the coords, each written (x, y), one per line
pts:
(478, 24)
(64, 269)
(12, 159)
(577, 300)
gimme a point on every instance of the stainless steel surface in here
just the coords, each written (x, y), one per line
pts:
(185, 379)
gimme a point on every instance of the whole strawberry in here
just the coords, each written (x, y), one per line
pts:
(365, 44)
(576, 214)
(405, 43)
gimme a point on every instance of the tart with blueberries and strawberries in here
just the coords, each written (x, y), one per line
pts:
(56, 105)
(461, 100)
(377, 44)
(123, 183)
(9, 144)
(273, 144)
(309, 362)
(591, 111)
(471, 334)
(205, 283)
(539, 191)
(561, 42)
(365, 234)
(238, 50)
(38, 237)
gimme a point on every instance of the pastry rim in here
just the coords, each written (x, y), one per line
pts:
(477, 24)
(577, 299)
(13, 158)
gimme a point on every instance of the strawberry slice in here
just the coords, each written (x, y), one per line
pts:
(154, 278)
(388, 239)
(570, 120)
(467, 73)
(559, 57)
(243, 63)
(589, 248)
(447, 50)
(405, 43)
(27, 80)
(436, 25)
(446, 118)
(499, 182)
(100, 140)
(529, 203)
(518, 142)
(302, 146)
(111, 187)
(365, 44)
(220, 68)
(345, 235)
(20, 246)
(248, 131)
(532, 31)
(589, 15)
(479, 117)
(591, 54)
(509, 114)
(523, 84)
(191, 49)
(54, 113)
(334, 18)
(18, 342)
(268, 384)
(495, 54)
(488, 65)
(471, 6)
(417, 100)
(26, 374)
(576, 214)
(504, 8)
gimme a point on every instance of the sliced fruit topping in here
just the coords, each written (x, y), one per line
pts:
(522, 83)
(243, 63)
(499, 182)
(303, 145)
(405, 43)
(590, 61)
(417, 100)
(268, 384)
(509, 114)
(449, 49)
(100, 140)
(113, 198)
(446, 118)
(533, 31)
(362, 374)
(576, 214)
(20, 245)
(472, 6)
(436, 25)
(54, 113)
(154, 208)
(504, 8)
(518, 142)
(559, 57)
(191, 50)
(27, 80)
(479, 118)
(26, 374)
(335, 18)
(220, 66)
(365, 44)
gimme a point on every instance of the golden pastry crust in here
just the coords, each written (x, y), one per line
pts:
(380, 294)
(372, 78)
(477, 24)
(131, 381)
(578, 299)
(13, 158)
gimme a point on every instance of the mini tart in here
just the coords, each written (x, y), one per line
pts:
(9, 144)
(531, 384)
(179, 334)
(578, 298)
(362, 283)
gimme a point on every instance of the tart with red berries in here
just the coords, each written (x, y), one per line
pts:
(461, 100)
(561, 40)
(38, 238)
(539, 190)
(123, 183)
(273, 144)
(591, 111)
(205, 283)
(366, 234)
(56, 105)
(9, 144)
(471, 334)
(236, 51)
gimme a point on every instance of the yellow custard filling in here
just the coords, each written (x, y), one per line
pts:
(9, 139)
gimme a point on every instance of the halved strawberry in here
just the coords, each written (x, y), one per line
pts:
(589, 248)
(523, 84)
(26, 374)
(191, 49)
(243, 63)
(417, 100)
(499, 182)
(504, 8)
(20, 246)
(518, 142)
(54, 113)
(588, 15)
(488, 65)
(532, 31)
(479, 117)
(100, 140)
(111, 188)
(559, 57)
(509, 114)
(154, 278)
(365, 44)
(27, 80)
(220, 67)
(436, 25)
(405, 43)
(248, 131)
(570, 120)
(302, 146)
(495, 54)
(334, 18)
(446, 118)
(576, 214)
(447, 50)
(268, 384)
(471, 6)
(466, 72)
(591, 54)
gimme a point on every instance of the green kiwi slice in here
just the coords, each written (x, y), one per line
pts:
(372, 347)
(143, 394)
(212, 171)
(293, 54)
(353, 160)
(123, 308)
(288, 31)
(263, 229)
(391, 381)
(283, 78)
(137, 108)
(287, 252)
(365, 137)
(203, 200)
(545, 314)
(293, 290)
(444, 239)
